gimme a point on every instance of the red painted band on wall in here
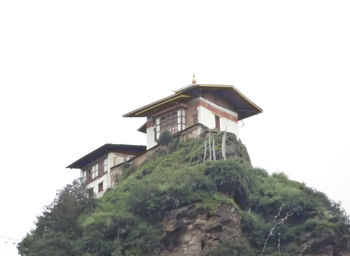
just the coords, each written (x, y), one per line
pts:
(217, 111)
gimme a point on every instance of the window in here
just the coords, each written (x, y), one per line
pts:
(157, 128)
(105, 165)
(173, 121)
(217, 122)
(195, 118)
(88, 175)
(94, 171)
(100, 187)
(181, 119)
(85, 173)
(102, 167)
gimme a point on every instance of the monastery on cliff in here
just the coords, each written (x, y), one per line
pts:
(185, 113)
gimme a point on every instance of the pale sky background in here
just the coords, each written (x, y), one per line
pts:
(70, 69)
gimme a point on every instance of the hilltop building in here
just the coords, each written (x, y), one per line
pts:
(95, 167)
(188, 110)
(215, 106)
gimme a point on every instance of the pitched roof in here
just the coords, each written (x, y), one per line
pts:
(240, 103)
(103, 150)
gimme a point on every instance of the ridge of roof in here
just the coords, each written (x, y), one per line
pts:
(104, 149)
(183, 93)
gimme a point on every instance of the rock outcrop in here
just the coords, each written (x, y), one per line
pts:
(193, 232)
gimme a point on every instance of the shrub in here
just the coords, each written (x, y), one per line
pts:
(165, 138)
(233, 248)
(126, 220)
(57, 226)
(231, 178)
(255, 228)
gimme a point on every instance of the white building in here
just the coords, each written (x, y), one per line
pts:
(217, 107)
(95, 167)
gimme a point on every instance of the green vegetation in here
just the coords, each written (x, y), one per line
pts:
(165, 138)
(57, 228)
(126, 220)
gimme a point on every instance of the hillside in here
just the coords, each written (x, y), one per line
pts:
(177, 204)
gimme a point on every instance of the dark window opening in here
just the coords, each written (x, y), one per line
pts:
(89, 176)
(217, 122)
(195, 118)
(100, 187)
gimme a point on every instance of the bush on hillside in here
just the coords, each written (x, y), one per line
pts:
(165, 138)
(57, 227)
(126, 220)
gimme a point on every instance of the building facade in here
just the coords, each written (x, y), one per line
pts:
(192, 108)
(218, 107)
(95, 167)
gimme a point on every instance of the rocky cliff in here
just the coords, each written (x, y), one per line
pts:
(188, 231)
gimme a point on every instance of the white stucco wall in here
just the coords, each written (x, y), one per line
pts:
(94, 185)
(228, 125)
(110, 164)
(150, 137)
(117, 158)
(112, 160)
(207, 118)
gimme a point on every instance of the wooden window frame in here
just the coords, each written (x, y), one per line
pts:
(174, 121)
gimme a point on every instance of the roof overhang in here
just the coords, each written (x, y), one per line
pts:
(239, 102)
(146, 110)
(105, 149)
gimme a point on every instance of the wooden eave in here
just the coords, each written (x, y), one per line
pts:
(104, 150)
(245, 107)
(145, 110)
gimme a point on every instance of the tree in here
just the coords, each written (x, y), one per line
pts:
(57, 226)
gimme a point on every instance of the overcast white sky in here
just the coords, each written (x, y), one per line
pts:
(70, 69)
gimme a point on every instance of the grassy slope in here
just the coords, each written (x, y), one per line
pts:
(127, 217)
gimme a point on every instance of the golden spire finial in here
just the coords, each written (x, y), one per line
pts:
(194, 82)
